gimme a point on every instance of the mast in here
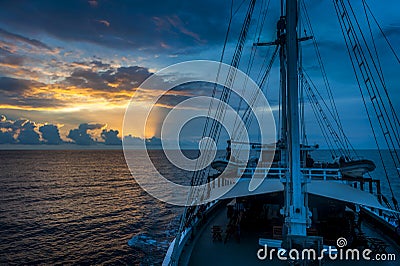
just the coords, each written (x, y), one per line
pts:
(282, 59)
(296, 209)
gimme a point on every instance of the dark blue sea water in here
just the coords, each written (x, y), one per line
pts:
(77, 207)
(81, 207)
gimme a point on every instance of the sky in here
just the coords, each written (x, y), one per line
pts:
(68, 69)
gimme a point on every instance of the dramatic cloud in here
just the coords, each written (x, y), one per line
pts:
(81, 136)
(133, 141)
(12, 85)
(153, 142)
(110, 137)
(21, 93)
(6, 124)
(6, 130)
(6, 137)
(98, 83)
(76, 61)
(153, 25)
(50, 134)
(27, 134)
(85, 126)
(23, 131)
(123, 78)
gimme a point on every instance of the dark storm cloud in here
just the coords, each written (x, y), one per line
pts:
(110, 137)
(23, 129)
(171, 100)
(153, 142)
(7, 125)
(6, 137)
(99, 64)
(97, 76)
(84, 78)
(133, 75)
(6, 131)
(121, 24)
(27, 134)
(122, 78)
(13, 92)
(8, 84)
(81, 136)
(86, 126)
(50, 134)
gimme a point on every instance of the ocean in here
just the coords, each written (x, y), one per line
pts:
(82, 207)
(77, 207)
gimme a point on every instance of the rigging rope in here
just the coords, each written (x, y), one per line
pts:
(188, 211)
(213, 132)
(346, 144)
(323, 118)
(323, 129)
(380, 77)
(336, 116)
(358, 57)
(382, 32)
(366, 73)
(247, 117)
(373, 39)
(250, 64)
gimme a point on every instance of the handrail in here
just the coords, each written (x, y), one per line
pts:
(280, 172)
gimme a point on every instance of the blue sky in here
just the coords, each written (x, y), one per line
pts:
(69, 68)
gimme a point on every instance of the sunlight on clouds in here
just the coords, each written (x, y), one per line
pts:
(75, 99)
(114, 85)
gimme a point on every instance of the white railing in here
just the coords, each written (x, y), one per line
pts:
(312, 173)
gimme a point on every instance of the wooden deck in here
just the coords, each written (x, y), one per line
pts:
(207, 252)
(203, 251)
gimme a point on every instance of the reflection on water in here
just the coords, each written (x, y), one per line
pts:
(82, 207)
(75, 207)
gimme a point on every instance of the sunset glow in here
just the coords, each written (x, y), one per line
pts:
(84, 69)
